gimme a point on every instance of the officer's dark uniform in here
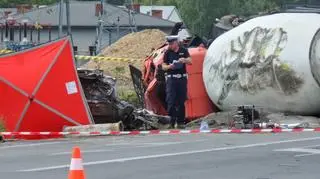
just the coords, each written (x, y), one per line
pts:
(176, 85)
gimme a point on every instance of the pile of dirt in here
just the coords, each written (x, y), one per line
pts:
(118, 70)
(136, 45)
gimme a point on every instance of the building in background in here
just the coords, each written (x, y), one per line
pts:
(84, 15)
(170, 13)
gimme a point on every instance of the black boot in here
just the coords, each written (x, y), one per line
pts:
(181, 126)
(172, 123)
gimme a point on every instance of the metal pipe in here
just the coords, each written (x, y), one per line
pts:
(75, 50)
(31, 31)
(118, 28)
(38, 34)
(68, 16)
(25, 28)
(60, 18)
(110, 37)
(100, 26)
(20, 32)
(7, 31)
(11, 30)
(49, 31)
(100, 35)
(252, 117)
(1, 32)
(97, 36)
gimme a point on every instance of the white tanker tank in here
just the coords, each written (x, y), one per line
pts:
(270, 61)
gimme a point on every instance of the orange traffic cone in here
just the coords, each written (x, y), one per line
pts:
(76, 168)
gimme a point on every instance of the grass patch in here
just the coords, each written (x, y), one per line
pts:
(128, 95)
(2, 126)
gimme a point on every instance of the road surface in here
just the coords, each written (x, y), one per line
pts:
(222, 156)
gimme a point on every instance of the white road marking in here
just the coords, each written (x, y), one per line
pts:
(120, 144)
(137, 145)
(302, 150)
(305, 149)
(82, 151)
(305, 155)
(151, 144)
(310, 146)
(29, 145)
(170, 154)
(172, 143)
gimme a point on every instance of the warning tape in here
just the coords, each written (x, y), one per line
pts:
(5, 51)
(95, 58)
(100, 58)
(155, 132)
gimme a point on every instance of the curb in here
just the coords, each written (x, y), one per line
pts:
(156, 132)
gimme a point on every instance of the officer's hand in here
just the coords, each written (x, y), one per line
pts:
(182, 60)
(172, 66)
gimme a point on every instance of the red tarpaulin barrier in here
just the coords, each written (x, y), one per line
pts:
(40, 89)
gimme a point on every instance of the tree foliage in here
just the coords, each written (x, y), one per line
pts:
(13, 3)
(198, 15)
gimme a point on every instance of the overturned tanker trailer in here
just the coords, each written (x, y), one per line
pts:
(271, 61)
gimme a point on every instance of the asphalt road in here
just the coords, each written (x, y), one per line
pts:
(223, 156)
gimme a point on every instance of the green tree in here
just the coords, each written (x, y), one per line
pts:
(13, 3)
(251, 7)
(116, 2)
(199, 15)
(156, 2)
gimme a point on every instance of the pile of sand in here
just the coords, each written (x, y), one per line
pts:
(136, 45)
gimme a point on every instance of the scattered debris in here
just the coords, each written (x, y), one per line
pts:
(106, 107)
(293, 121)
(245, 117)
(228, 119)
(204, 125)
(294, 125)
(151, 120)
(100, 93)
(215, 120)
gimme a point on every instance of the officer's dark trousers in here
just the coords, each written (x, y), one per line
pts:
(176, 94)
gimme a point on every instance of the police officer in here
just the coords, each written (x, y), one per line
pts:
(174, 65)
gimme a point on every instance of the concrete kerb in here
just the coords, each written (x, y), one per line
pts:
(92, 130)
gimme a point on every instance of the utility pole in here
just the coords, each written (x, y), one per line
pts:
(60, 18)
(131, 16)
(100, 26)
(118, 28)
(68, 17)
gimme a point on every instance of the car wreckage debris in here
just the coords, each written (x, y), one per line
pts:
(106, 107)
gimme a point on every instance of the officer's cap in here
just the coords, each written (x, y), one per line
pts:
(171, 38)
